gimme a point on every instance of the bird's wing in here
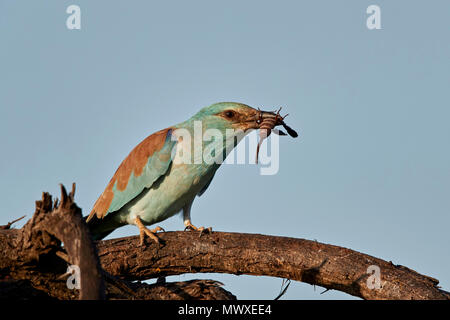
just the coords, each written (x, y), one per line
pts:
(202, 191)
(148, 161)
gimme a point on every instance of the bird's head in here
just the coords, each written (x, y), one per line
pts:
(222, 125)
(229, 115)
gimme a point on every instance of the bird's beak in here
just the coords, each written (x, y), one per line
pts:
(255, 117)
(259, 119)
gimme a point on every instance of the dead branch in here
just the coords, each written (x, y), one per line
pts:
(312, 262)
(9, 224)
(32, 261)
(34, 253)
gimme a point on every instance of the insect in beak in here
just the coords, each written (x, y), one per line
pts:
(267, 122)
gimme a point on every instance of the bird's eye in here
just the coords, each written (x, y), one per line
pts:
(229, 114)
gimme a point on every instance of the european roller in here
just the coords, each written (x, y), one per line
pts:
(164, 173)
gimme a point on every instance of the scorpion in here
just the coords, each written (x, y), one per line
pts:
(267, 122)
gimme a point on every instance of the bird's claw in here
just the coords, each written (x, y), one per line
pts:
(143, 231)
(158, 228)
(149, 233)
(202, 230)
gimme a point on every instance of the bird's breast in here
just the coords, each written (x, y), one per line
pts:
(168, 195)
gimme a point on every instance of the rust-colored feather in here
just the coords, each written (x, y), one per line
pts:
(133, 163)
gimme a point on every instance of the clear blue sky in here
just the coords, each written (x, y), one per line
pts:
(371, 170)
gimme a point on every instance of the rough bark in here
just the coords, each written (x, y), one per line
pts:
(312, 262)
(32, 261)
(35, 256)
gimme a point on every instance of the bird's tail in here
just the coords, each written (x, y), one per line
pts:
(96, 228)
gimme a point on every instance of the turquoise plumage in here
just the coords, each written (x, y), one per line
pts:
(152, 184)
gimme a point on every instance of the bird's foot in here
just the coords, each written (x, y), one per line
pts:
(203, 230)
(143, 231)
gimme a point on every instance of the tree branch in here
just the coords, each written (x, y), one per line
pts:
(32, 260)
(312, 262)
(34, 253)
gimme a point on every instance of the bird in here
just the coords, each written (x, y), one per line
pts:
(153, 184)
